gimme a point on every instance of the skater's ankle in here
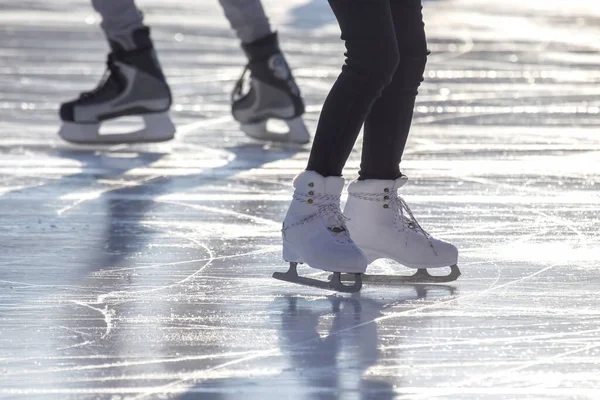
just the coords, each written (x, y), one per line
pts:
(137, 39)
(362, 176)
(136, 48)
(263, 48)
(324, 172)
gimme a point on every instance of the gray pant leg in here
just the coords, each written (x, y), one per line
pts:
(247, 18)
(119, 19)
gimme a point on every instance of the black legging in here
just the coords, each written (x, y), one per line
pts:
(386, 52)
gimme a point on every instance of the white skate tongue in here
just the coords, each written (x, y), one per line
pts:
(406, 215)
(404, 210)
(335, 220)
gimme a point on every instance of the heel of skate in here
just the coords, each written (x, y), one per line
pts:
(289, 255)
(422, 276)
(335, 282)
(159, 127)
(297, 133)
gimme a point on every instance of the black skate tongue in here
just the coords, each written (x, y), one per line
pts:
(112, 82)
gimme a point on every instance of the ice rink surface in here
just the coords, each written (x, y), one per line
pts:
(143, 272)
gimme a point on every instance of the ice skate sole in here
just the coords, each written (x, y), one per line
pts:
(158, 128)
(297, 132)
(335, 281)
(422, 276)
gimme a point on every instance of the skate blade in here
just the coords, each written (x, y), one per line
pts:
(158, 128)
(422, 276)
(334, 283)
(297, 132)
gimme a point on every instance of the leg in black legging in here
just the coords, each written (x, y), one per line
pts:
(388, 123)
(371, 60)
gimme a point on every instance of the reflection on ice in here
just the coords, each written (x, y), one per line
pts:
(145, 271)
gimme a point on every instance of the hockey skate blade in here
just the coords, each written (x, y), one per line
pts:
(422, 276)
(158, 128)
(297, 132)
(335, 282)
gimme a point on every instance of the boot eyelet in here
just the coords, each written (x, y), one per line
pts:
(386, 206)
(311, 184)
(310, 201)
(386, 197)
(311, 193)
(386, 190)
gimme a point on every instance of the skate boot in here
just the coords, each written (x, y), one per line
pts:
(133, 84)
(272, 94)
(383, 226)
(314, 232)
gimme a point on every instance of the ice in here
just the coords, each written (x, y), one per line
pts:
(144, 272)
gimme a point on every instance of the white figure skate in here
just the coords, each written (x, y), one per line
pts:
(133, 85)
(314, 232)
(272, 95)
(383, 226)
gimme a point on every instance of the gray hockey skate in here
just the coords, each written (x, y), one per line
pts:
(133, 85)
(272, 95)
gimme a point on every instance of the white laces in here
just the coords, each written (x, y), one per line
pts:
(404, 219)
(328, 208)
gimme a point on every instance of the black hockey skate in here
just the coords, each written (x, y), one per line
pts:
(133, 84)
(273, 95)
